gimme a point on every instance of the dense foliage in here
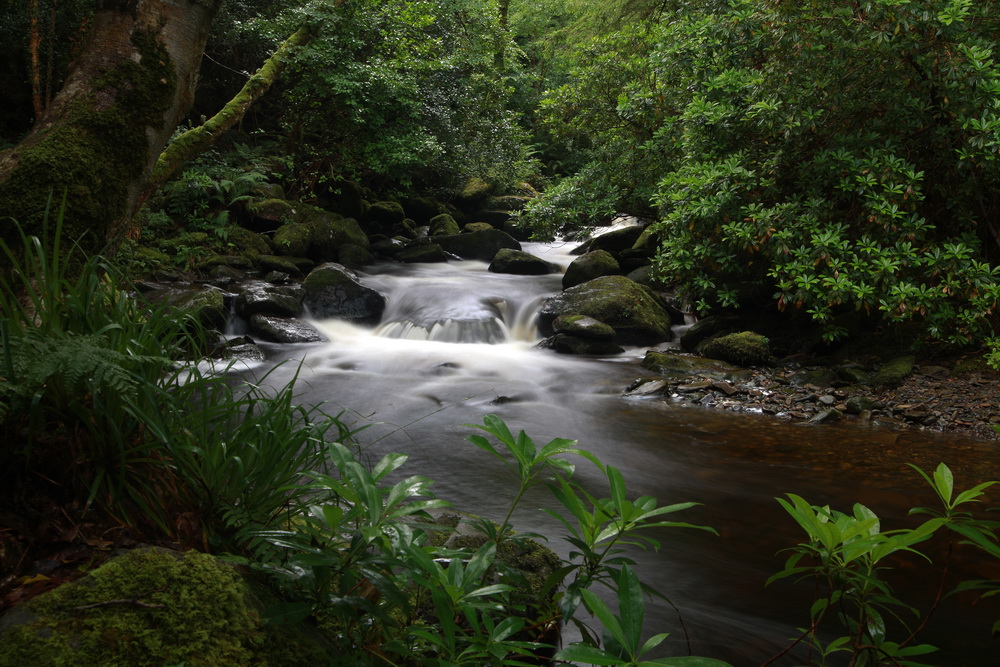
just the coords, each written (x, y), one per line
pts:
(834, 157)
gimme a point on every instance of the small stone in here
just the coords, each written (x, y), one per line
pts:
(698, 385)
(826, 400)
(825, 417)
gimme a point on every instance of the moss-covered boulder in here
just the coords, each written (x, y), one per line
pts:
(682, 367)
(422, 209)
(293, 239)
(518, 262)
(354, 256)
(482, 245)
(892, 374)
(443, 225)
(477, 227)
(589, 266)
(582, 326)
(333, 291)
(150, 607)
(616, 240)
(293, 266)
(269, 214)
(634, 311)
(745, 348)
(474, 194)
(248, 243)
(384, 215)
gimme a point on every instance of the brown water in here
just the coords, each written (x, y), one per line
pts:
(418, 393)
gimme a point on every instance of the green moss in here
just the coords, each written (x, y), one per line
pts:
(147, 607)
(94, 152)
(893, 373)
(744, 348)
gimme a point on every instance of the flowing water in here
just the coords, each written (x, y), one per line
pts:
(458, 342)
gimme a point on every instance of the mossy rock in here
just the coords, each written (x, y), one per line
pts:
(270, 214)
(634, 311)
(333, 291)
(680, 367)
(386, 213)
(149, 607)
(354, 256)
(705, 328)
(483, 245)
(477, 227)
(422, 253)
(518, 262)
(473, 194)
(443, 225)
(582, 326)
(206, 304)
(745, 348)
(248, 243)
(293, 239)
(893, 373)
(588, 266)
(422, 209)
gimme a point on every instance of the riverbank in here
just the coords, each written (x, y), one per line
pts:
(955, 395)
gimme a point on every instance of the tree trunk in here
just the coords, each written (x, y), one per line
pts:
(100, 137)
(197, 139)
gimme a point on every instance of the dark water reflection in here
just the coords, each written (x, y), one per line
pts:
(418, 395)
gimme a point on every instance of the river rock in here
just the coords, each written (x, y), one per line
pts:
(482, 245)
(518, 262)
(269, 215)
(648, 387)
(477, 227)
(386, 214)
(332, 290)
(745, 348)
(260, 297)
(589, 266)
(682, 367)
(856, 405)
(582, 326)
(422, 253)
(443, 225)
(293, 266)
(330, 232)
(614, 241)
(635, 313)
(248, 243)
(243, 348)
(892, 374)
(284, 329)
(568, 344)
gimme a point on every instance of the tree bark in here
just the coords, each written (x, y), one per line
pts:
(197, 139)
(100, 137)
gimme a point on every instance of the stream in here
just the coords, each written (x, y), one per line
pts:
(458, 342)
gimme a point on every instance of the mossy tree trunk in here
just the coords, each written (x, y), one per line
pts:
(99, 139)
(197, 139)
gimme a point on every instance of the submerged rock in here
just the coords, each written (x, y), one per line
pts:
(635, 313)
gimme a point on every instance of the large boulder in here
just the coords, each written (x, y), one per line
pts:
(589, 266)
(443, 225)
(318, 235)
(422, 253)
(267, 215)
(617, 240)
(744, 348)
(333, 291)
(518, 262)
(474, 194)
(284, 329)
(680, 367)
(483, 245)
(261, 297)
(205, 303)
(635, 313)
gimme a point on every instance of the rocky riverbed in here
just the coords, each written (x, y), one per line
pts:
(958, 395)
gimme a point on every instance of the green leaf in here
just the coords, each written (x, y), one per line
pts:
(630, 608)
(586, 654)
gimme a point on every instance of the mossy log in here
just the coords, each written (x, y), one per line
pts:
(197, 139)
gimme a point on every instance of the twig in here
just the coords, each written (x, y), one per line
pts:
(137, 603)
